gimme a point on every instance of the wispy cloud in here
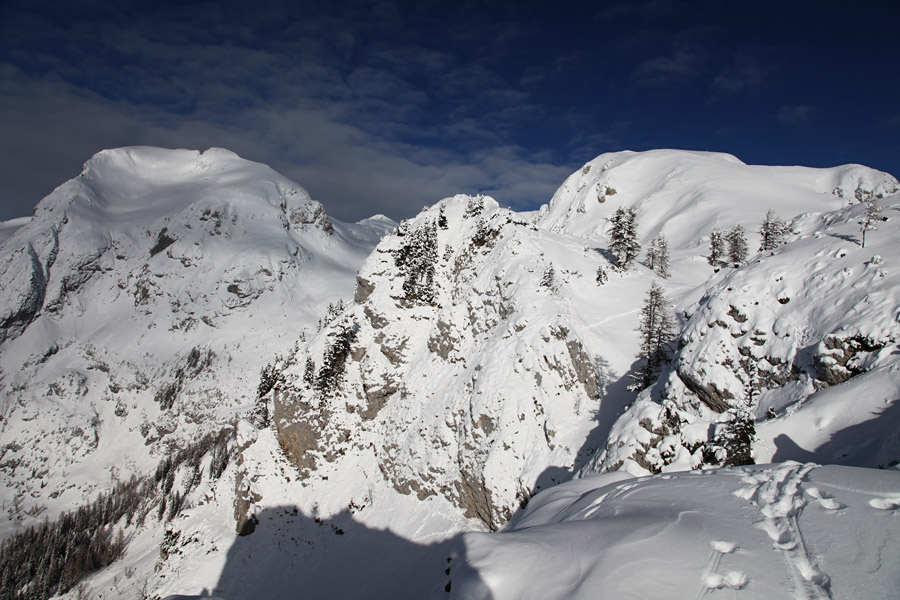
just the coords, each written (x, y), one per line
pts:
(364, 131)
(668, 71)
(649, 9)
(796, 114)
(740, 79)
(891, 123)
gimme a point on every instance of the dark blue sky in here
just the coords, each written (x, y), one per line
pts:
(388, 106)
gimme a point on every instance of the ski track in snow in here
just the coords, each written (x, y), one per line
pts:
(780, 499)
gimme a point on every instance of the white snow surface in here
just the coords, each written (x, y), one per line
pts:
(453, 412)
(148, 255)
(762, 337)
(790, 530)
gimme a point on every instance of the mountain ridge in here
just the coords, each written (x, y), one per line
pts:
(481, 362)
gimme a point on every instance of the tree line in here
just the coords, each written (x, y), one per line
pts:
(52, 558)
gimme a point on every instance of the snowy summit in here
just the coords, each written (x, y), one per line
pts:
(678, 378)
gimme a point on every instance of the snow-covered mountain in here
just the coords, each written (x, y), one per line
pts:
(140, 303)
(480, 361)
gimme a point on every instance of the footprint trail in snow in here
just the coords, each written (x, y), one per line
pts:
(780, 499)
(712, 579)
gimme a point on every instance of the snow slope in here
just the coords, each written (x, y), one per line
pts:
(479, 363)
(804, 337)
(139, 305)
(790, 530)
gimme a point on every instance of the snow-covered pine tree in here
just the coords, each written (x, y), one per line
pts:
(873, 215)
(733, 444)
(658, 255)
(657, 329)
(651, 254)
(737, 245)
(771, 232)
(474, 207)
(416, 259)
(335, 358)
(269, 377)
(716, 246)
(602, 275)
(548, 279)
(623, 237)
(442, 218)
(309, 371)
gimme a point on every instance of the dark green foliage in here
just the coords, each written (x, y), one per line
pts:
(416, 259)
(334, 311)
(259, 416)
(442, 218)
(733, 445)
(335, 359)
(309, 371)
(52, 558)
(484, 234)
(657, 329)
(269, 377)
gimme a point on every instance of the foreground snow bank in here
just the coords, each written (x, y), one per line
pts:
(790, 530)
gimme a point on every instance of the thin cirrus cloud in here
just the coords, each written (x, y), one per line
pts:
(387, 105)
(341, 128)
(668, 71)
(796, 114)
(355, 172)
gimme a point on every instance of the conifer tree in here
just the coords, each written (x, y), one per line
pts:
(771, 232)
(309, 371)
(658, 255)
(737, 245)
(416, 259)
(474, 207)
(623, 237)
(716, 246)
(657, 329)
(732, 446)
(335, 358)
(873, 214)
(548, 279)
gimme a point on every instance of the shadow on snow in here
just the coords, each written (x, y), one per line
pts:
(294, 555)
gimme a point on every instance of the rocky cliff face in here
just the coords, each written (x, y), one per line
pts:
(443, 369)
(481, 360)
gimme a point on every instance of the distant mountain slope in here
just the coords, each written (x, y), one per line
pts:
(685, 194)
(141, 301)
(480, 362)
